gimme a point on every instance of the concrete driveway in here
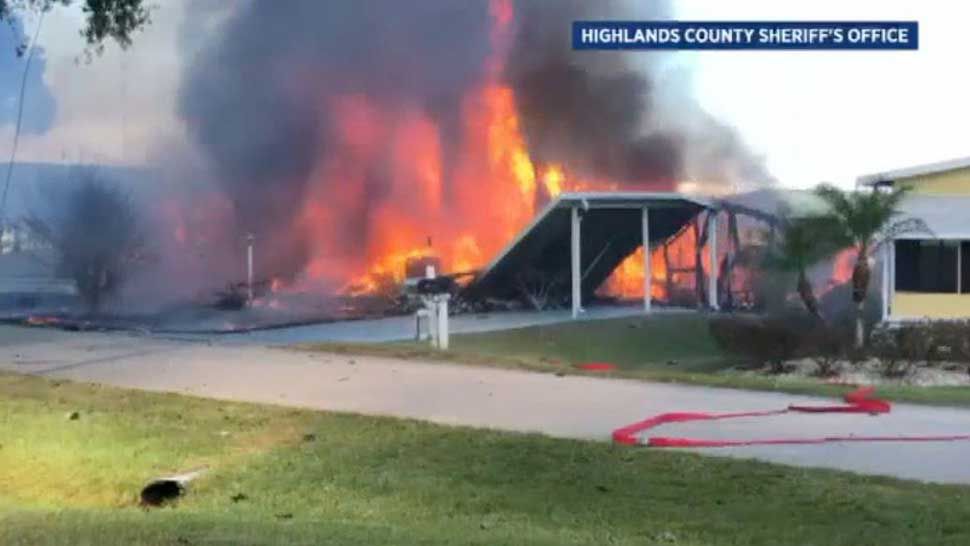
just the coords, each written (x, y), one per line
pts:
(571, 407)
(401, 328)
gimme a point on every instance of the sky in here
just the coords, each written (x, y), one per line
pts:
(812, 116)
(38, 113)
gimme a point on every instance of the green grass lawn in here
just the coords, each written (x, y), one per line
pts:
(283, 476)
(667, 348)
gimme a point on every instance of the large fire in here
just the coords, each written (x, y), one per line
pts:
(672, 265)
(496, 191)
(494, 188)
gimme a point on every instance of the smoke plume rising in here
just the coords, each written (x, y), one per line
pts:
(342, 132)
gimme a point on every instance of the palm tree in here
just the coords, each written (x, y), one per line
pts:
(804, 242)
(865, 220)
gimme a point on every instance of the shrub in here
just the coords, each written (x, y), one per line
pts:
(775, 339)
(767, 341)
(827, 346)
(94, 229)
(905, 347)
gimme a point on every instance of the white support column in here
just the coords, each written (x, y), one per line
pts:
(443, 321)
(574, 255)
(712, 245)
(892, 276)
(249, 268)
(647, 270)
(432, 309)
(886, 253)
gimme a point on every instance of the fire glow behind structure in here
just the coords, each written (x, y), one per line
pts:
(350, 138)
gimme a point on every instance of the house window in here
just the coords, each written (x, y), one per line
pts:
(930, 266)
(965, 267)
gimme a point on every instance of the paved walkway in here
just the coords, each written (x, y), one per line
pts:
(403, 327)
(573, 407)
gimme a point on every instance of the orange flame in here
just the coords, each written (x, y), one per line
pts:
(680, 255)
(843, 264)
(361, 227)
(490, 195)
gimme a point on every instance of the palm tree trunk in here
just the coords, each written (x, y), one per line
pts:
(860, 287)
(807, 295)
(860, 326)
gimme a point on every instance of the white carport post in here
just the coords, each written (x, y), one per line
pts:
(886, 277)
(575, 262)
(647, 276)
(712, 245)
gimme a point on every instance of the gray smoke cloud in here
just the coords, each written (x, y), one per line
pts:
(593, 110)
(255, 98)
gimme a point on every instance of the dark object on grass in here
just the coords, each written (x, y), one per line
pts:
(238, 497)
(160, 492)
(73, 416)
(167, 489)
(233, 298)
(309, 437)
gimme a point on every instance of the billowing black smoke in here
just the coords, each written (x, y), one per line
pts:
(592, 110)
(255, 98)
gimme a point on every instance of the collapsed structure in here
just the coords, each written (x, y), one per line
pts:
(585, 236)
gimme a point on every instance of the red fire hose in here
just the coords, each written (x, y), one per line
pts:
(857, 401)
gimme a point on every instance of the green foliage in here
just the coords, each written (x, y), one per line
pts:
(803, 242)
(115, 20)
(864, 220)
(862, 217)
(775, 339)
(905, 347)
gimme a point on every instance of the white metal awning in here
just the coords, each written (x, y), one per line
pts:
(948, 217)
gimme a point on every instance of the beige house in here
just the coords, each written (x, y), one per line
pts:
(927, 275)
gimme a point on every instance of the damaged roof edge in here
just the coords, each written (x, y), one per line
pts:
(614, 199)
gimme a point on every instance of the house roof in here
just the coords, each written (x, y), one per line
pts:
(917, 170)
(946, 216)
(611, 230)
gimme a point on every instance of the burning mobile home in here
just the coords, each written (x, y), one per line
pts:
(344, 136)
(361, 150)
(584, 237)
